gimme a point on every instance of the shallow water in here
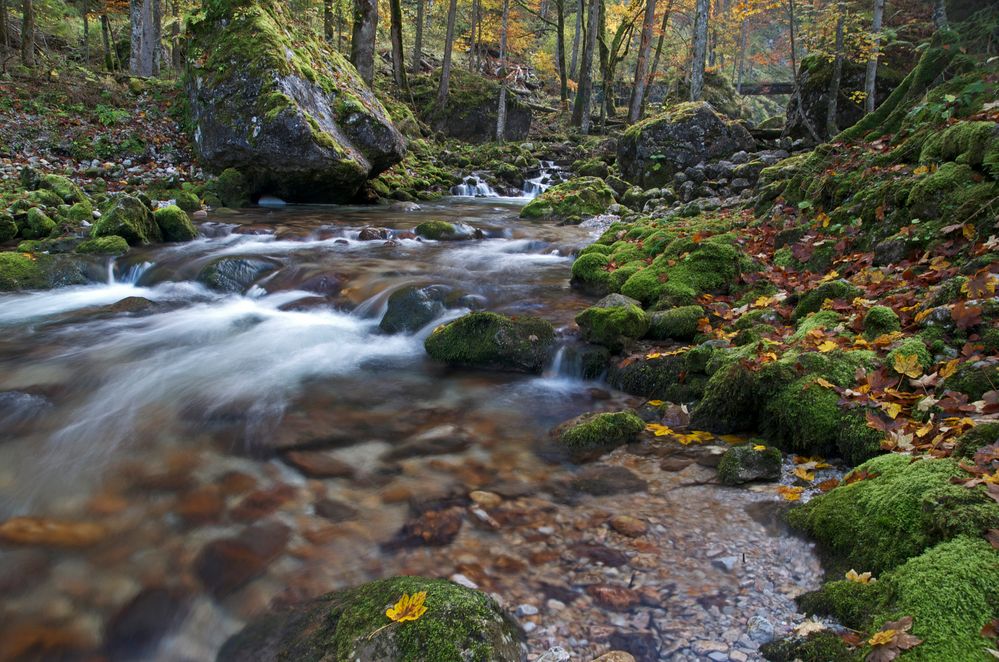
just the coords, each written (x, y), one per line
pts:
(161, 420)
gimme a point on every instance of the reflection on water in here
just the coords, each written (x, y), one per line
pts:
(164, 413)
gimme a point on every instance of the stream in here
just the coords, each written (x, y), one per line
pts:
(163, 415)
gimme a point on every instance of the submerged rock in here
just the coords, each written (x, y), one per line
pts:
(412, 308)
(284, 109)
(235, 274)
(459, 624)
(488, 340)
(753, 461)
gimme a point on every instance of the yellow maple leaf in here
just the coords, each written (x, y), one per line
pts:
(968, 230)
(921, 170)
(893, 409)
(658, 429)
(882, 638)
(408, 608)
(790, 493)
(655, 403)
(860, 577)
(827, 346)
(832, 275)
(653, 355)
(908, 365)
(804, 474)
(822, 218)
(763, 302)
(759, 448)
(825, 383)
(950, 368)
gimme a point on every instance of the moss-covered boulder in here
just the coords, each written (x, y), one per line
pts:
(812, 300)
(749, 462)
(459, 624)
(20, 271)
(63, 187)
(909, 348)
(113, 245)
(974, 379)
(978, 437)
(598, 432)
(131, 219)
(901, 508)
(175, 224)
(572, 200)
(881, 320)
(283, 107)
(37, 224)
(670, 377)
(230, 188)
(446, 231)
(491, 341)
(653, 150)
(676, 323)
(472, 104)
(188, 201)
(685, 270)
(613, 321)
(81, 211)
(8, 227)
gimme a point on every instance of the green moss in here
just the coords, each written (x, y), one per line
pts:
(974, 379)
(488, 340)
(188, 201)
(590, 168)
(851, 603)
(964, 142)
(81, 211)
(746, 463)
(819, 647)
(599, 431)
(677, 323)
(45, 197)
(590, 273)
(813, 300)
(685, 270)
(131, 219)
(666, 377)
(112, 245)
(571, 200)
(612, 326)
(8, 228)
(977, 437)
(67, 191)
(37, 225)
(20, 272)
(231, 188)
(908, 347)
(734, 395)
(908, 507)
(939, 193)
(175, 224)
(880, 320)
(822, 320)
(435, 229)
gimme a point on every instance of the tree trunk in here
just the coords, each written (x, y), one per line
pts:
(4, 30)
(84, 11)
(501, 111)
(442, 91)
(940, 14)
(106, 37)
(581, 109)
(792, 30)
(700, 50)
(177, 50)
(28, 34)
(472, 36)
(328, 29)
(642, 64)
(362, 41)
(398, 56)
(560, 54)
(659, 51)
(417, 64)
(145, 19)
(837, 75)
(872, 65)
(740, 74)
(573, 71)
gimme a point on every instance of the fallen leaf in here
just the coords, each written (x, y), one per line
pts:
(790, 493)
(908, 365)
(408, 608)
(860, 577)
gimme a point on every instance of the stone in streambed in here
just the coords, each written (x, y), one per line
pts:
(598, 431)
(627, 525)
(606, 481)
(45, 532)
(130, 219)
(318, 464)
(445, 231)
(750, 462)
(571, 201)
(440, 440)
(174, 224)
(459, 624)
(613, 322)
(227, 564)
(235, 274)
(491, 341)
(135, 629)
(412, 308)
(335, 511)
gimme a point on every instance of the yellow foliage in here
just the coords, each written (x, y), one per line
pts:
(908, 365)
(860, 577)
(408, 608)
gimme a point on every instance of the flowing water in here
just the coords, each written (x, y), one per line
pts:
(150, 415)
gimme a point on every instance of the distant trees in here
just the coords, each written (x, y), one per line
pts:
(442, 90)
(27, 34)
(362, 42)
(642, 63)
(398, 55)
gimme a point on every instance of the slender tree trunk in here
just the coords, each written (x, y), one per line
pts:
(398, 55)
(870, 79)
(584, 100)
(501, 111)
(740, 74)
(84, 11)
(4, 30)
(339, 25)
(832, 127)
(792, 31)
(177, 50)
(560, 54)
(417, 64)
(442, 91)
(328, 29)
(577, 35)
(642, 64)
(362, 41)
(700, 50)
(940, 14)
(472, 35)
(146, 20)
(659, 51)
(28, 34)
(106, 37)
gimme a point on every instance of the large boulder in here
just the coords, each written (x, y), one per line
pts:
(488, 340)
(813, 81)
(457, 624)
(20, 271)
(652, 151)
(131, 219)
(470, 112)
(283, 108)
(571, 201)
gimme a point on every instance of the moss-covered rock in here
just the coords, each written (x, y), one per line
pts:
(445, 231)
(37, 224)
(63, 187)
(112, 245)
(980, 436)
(749, 462)
(8, 228)
(685, 270)
(188, 201)
(613, 321)
(818, 647)
(880, 320)
(674, 378)
(904, 509)
(571, 200)
(80, 212)
(734, 396)
(590, 168)
(491, 341)
(599, 432)
(411, 308)
(974, 379)
(591, 273)
(909, 347)
(833, 290)
(231, 188)
(459, 624)
(175, 224)
(131, 219)
(676, 323)
(20, 271)
(283, 107)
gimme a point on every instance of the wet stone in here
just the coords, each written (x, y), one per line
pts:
(629, 526)
(335, 511)
(138, 626)
(317, 464)
(227, 564)
(608, 480)
(432, 528)
(642, 645)
(614, 597)
(600, 553)
(261, 503)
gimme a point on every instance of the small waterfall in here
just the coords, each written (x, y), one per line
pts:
(567, 364)
(131, 275)
(546, 175)
(474, 187)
